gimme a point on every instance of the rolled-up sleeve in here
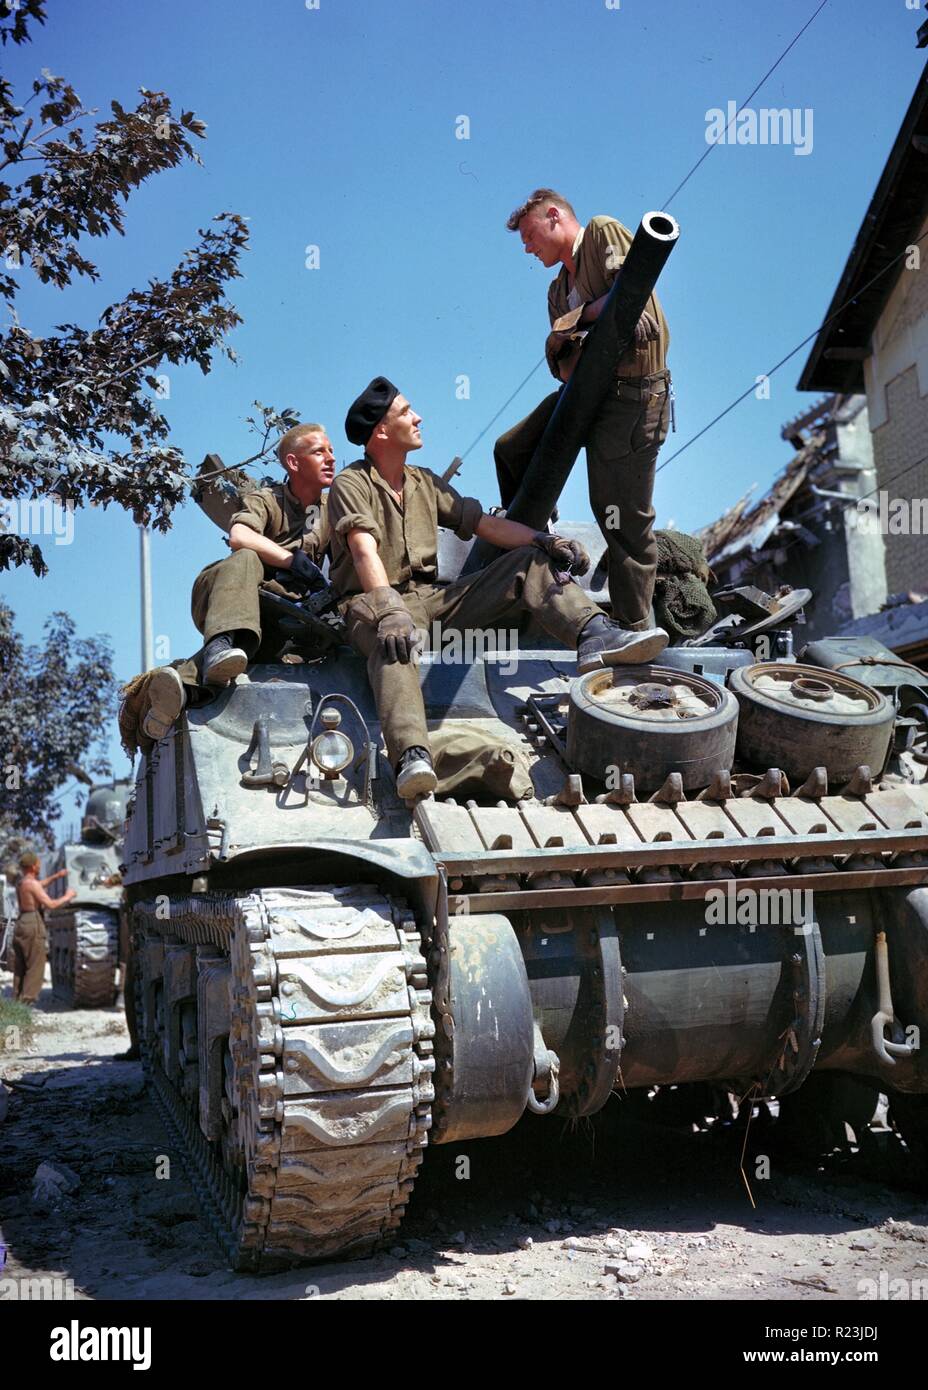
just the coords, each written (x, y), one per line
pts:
(350, 508)
(459, 514)
(255, 513)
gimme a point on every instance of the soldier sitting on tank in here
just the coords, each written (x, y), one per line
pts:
(278, 541)
(29, 940)
(384, 516)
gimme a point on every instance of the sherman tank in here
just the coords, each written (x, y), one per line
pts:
(83, 936)
(329, 979)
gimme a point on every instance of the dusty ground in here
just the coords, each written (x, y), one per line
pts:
(541, 1213)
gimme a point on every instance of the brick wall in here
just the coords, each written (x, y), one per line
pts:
(897, 445)
(903, 438)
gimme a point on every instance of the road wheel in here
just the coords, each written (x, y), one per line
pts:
(801, 717)
(651, 721)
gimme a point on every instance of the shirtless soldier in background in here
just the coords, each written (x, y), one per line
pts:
(29, 939)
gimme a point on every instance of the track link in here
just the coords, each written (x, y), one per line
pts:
(326, 1076)
(84, 950)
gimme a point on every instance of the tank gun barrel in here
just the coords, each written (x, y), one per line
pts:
(610, 336)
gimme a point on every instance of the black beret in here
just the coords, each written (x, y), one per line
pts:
(366, 413)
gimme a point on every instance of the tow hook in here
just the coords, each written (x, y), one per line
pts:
(547, 1069)
(268, 772)
(885, 1016)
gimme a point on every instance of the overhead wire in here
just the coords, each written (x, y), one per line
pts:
(792, 353)
(770, 71)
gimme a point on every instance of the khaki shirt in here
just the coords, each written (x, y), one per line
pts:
(277, 513)
(407, 534)
(603, 247)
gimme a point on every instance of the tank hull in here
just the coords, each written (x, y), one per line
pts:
(524, 957)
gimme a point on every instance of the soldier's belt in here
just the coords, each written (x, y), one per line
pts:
(635, 388)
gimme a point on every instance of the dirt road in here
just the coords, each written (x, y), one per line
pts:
(622, 1208)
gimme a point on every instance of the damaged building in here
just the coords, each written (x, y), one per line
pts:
(846, 516)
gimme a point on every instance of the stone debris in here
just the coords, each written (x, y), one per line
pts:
(51, 1182)
(904, 1230)
(639, 1250)
(624, 1271)
(812, 1281)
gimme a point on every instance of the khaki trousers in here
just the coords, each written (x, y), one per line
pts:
(225, 595)
(621, 454)
(29, 956)
(521, 581)
(224, 599)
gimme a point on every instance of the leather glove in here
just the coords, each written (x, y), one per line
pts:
(562, 352)
(566, 554)
(646, 330)
(304, 571)
(396, 631)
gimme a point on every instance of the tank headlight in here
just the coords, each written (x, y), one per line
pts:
(331, 751)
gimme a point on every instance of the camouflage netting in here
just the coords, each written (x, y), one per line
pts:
(134, 703)
(133, 706)
(681, 600)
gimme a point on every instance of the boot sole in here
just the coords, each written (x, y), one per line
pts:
(632, 654)
(414, 784)
(167, 699)
(233, 664)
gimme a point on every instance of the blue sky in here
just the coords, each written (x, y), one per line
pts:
(335, 127)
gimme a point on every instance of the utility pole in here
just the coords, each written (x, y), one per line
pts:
(148, 651)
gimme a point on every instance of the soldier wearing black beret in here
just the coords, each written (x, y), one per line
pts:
(384, 516)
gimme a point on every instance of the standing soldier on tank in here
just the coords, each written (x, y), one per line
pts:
(384, 516)
(278, 540)
(29, 939)
(631, 426)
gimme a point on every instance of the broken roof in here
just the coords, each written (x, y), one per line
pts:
(744, 527)
(749, 528)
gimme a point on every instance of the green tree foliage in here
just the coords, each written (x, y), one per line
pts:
(76, 420)
(56, 700)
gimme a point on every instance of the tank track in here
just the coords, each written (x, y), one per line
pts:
(84, 951)
(327, 1084)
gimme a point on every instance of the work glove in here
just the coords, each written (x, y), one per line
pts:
(562, 352)
(303, 571)
(646, 330)
(566, 554)
(397, 634)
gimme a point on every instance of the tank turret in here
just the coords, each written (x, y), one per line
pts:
(105, 813)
